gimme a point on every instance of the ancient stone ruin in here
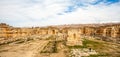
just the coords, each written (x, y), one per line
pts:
(72, 34)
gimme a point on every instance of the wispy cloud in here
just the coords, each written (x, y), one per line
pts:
(54, 12)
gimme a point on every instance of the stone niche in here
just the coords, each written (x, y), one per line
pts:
(115, 33)
(73, 37)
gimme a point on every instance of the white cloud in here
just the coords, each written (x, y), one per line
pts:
(45, 12)
(92, 14)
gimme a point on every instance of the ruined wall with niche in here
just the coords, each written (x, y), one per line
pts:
(73, 37)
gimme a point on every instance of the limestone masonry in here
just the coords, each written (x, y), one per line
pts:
(72, 34)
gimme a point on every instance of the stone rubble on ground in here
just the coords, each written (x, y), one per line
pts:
(81, 52)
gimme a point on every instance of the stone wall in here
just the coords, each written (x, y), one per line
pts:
(5, 31)
(73, 35)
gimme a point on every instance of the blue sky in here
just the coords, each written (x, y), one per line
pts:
(57, 12)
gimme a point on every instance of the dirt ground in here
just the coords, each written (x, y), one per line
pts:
(27, 49)
(60, 52)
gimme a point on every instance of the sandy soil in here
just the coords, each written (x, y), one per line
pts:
(27, 49)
